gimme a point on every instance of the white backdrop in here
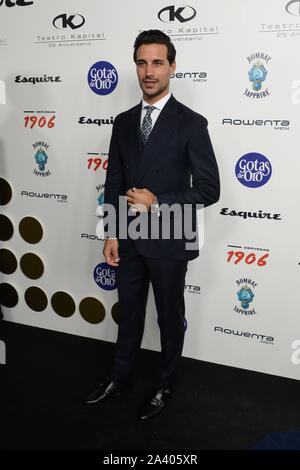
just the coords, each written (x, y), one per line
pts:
(46, 101)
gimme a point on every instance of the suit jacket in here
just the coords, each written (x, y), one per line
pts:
(177, 164)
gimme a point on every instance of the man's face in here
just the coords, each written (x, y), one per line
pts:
(154, 71)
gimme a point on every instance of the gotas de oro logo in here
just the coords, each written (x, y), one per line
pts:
(182, 13)
(105, 276)
(102, 78)
(72, 21)
(253, 170)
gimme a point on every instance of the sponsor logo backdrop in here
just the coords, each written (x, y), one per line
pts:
(66, 72)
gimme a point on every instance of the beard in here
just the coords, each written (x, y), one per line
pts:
(155, 90)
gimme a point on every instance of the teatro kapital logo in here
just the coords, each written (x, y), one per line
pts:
(102, 78)
(105, 276)
(64, 21)
(257, 75)
(41, 159)
(253, 170)
(245, 296)
(293, 7)
(181, 13)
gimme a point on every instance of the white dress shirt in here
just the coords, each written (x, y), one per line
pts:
(158, 108)
(154, 116)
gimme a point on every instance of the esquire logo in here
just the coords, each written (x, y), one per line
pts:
(97, 121)
(250, 215)
(34, 80)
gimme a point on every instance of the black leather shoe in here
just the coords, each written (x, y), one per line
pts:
(108, 389)
(157, 403)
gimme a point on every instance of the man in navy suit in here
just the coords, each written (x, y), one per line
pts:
(160, 155)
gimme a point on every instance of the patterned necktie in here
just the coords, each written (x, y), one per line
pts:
(147, 124)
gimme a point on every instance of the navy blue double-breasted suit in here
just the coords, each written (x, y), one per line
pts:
(178, 165)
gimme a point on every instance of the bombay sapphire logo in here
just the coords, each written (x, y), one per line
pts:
(257, 75)
(100, 212)
(41, 159)
(245, 296)
(253, 170)
(105, 276)
(102, 78)
(100, 201)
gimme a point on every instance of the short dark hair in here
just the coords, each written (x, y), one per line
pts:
(155, 36)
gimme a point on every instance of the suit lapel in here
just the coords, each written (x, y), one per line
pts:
(161, 133)
(134, 139)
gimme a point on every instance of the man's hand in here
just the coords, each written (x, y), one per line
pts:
(140, 199)
(110, 251)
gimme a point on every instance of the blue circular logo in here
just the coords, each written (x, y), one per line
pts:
(253, 170)
(102, 78)
(105, 276)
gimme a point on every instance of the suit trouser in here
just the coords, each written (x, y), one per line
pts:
(168, 282)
